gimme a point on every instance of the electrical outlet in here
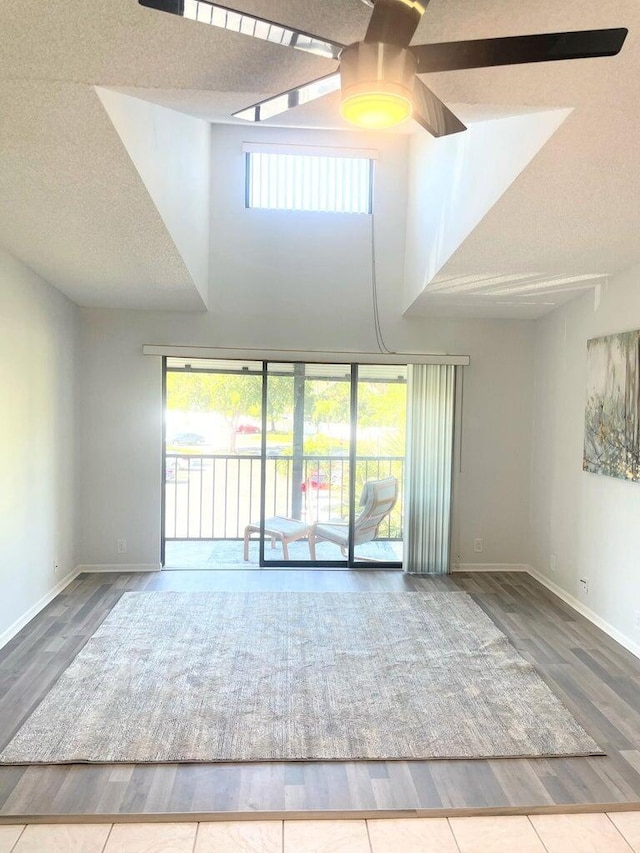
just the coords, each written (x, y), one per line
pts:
(56, 566)
(584, 586)
(478, 546)
(122, 546)
(636, 622)
(553, 563)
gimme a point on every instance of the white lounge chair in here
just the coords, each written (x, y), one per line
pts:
(287, 530)
(377, 500)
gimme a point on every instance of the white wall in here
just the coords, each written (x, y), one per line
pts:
(38, 342)
(292, 270)
(120, 450)
(171, 152)
(590, 522)
(456, 179)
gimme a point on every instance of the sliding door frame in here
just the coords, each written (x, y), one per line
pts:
(350, 562)
(163, 480)
(299, 564)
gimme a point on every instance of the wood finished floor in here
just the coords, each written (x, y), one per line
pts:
(597, 679)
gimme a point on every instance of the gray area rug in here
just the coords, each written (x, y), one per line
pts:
(275, 676)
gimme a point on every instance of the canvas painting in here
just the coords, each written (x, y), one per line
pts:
(612, 417)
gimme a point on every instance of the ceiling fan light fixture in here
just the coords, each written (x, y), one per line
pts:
(377, 84)
(376, 110)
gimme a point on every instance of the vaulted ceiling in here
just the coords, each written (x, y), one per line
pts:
(74, 206)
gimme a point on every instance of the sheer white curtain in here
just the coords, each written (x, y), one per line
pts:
(430, 419)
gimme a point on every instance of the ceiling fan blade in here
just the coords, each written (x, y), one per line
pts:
(292, 98)
(249, 25)
(516, 50)
(395, 21)
(432, 114)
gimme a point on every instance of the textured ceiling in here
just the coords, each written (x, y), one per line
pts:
(73, 207)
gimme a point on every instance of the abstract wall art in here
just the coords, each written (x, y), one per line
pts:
(612, 417)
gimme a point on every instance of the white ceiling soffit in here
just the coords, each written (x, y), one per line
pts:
(455, 181)
(524, 296)
(171, 152)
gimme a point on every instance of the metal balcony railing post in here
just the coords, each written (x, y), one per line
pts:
(298, 440)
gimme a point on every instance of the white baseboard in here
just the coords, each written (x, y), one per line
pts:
(119, 567)
(20, 623)
(587, 612)
(490, 567)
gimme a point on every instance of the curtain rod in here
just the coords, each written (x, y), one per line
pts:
(306, 355)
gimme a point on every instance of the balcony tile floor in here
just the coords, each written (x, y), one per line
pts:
(227, 553)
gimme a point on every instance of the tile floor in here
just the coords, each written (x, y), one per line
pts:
(618, 832)
(227, 554)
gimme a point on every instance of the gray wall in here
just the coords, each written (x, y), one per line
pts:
(38, 341)
(589, 522)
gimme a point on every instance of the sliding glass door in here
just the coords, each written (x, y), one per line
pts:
(380, 428)
(334, 465)
(213, 463)
(308, 456)
(283, 464)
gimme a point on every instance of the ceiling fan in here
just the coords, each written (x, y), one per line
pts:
(378, 75)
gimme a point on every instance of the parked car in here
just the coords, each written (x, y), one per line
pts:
(194, 463)
(316, 480)
(249, 451)
(275, 449)
(188, 439)
(247, 429)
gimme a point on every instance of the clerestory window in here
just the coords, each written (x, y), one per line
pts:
(316, 179)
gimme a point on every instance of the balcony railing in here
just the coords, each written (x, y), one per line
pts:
(215, 496)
